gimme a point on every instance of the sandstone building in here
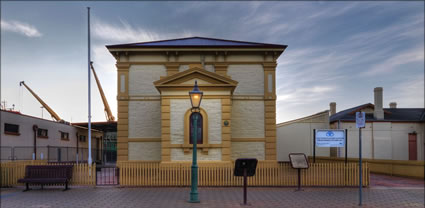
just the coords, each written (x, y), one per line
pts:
(238, 107)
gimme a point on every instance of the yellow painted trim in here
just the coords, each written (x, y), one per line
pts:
(122, 130)
(190, 146)
(248, 139)
(199, 72)
(144, 139)
(259, 50)
(203, 97)
(165, 130)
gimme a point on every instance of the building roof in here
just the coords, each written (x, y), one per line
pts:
(197, 42)
(105, 126)
(25, 115)
(390, 114)
(304, 119)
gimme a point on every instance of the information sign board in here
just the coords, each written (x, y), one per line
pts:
(330, 137)
(298, 160)
(360, 119)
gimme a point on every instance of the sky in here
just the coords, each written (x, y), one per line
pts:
(337, 51)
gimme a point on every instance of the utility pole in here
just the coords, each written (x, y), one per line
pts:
(89, 160)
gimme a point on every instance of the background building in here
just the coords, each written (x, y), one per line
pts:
(390, 133)
(54, 140)
(238, 108)
(296, 136)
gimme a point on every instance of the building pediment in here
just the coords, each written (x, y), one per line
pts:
(186, 80)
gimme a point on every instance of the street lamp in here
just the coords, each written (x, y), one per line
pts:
(195, 101)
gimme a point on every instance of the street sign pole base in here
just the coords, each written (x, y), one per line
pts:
(296, 190)
(247, 204)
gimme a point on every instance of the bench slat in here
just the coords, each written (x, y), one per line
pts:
(47, 174)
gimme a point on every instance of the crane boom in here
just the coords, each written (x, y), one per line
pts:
(52, 113)
(108, 111)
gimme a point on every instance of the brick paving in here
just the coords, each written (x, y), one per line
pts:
(105, 197)
(384, 191)
(378, 180)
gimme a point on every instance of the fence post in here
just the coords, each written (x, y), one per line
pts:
(13, 153)
(48, 150)
(59, 154)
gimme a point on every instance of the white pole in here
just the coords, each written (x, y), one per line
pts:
(89, 160)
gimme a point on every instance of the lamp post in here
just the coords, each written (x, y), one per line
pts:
(195, 100)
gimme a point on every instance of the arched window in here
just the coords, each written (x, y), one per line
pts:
(199, 128)
(202, 125)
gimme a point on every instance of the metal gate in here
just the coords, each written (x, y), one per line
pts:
(110, 152)
(107, 175)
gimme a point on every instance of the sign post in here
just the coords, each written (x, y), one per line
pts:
(245, 167)
(360, 123)
(298, 161)
(314, 145)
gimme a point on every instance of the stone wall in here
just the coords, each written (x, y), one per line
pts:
(209, 68)
(144, 119)
(247, 119)
(141, 78)
(147, 151)
(248, 150)
(250, 78)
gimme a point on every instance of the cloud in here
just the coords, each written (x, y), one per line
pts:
(393, 62)
(304, 95)
(407, 94)
(21, 28)
(123, 32)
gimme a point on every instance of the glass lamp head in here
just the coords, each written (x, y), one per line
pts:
(195, 96)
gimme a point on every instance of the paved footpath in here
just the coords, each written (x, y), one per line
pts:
(211, 197)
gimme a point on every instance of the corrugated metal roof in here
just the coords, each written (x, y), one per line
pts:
(390, 114)
(197, 42)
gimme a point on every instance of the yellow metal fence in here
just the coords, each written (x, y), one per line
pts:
(12, 171)
(404, 168)
(209, 174)
(221, 174)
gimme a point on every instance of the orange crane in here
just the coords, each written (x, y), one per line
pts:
(108, 112)
(52, 113)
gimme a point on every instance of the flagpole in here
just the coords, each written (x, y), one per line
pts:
(89, 160)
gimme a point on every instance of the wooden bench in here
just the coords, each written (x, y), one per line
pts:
(47, 174)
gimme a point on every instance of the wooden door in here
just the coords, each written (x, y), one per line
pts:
(413, 150)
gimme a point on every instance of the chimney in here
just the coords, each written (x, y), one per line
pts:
(332, 107)
(393, 105)
(378, 113)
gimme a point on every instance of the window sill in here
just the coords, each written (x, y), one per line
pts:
(12, 133)
(67, 140)
(187, 148)
(43, 137)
